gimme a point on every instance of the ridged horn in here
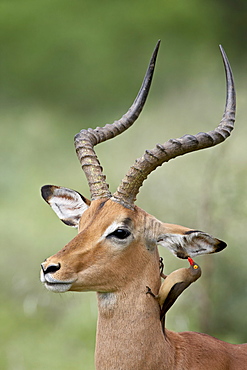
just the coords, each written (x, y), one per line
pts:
(130, 185)
(85, 140)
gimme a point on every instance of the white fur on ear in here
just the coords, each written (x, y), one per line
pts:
(68, 204)
(191, 243)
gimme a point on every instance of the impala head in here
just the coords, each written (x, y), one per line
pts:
(116, 240)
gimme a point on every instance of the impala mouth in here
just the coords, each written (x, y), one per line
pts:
(57, 287)
(54, 285)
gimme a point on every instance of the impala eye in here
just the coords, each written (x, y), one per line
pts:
(120, 234)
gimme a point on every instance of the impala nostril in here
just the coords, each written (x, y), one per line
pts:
(51, 269)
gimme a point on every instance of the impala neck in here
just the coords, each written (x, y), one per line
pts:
(129, 332)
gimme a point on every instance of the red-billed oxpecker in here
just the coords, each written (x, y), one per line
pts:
(174, 284)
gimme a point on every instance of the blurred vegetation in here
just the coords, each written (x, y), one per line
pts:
(68, 65)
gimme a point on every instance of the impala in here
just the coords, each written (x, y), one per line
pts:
(115, 252)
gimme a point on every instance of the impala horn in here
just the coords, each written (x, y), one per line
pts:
(85, 140)
(143, 166)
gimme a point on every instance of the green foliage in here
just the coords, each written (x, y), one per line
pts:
(70, 65)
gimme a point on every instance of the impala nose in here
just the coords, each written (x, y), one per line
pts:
(50, 269)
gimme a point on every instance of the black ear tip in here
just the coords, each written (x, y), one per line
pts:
(221, 245)
(46, 192)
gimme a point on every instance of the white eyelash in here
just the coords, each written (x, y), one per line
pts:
(110, 229)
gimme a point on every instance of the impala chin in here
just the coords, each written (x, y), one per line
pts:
(58, 287)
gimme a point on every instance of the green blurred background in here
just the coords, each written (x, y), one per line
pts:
(68, 65)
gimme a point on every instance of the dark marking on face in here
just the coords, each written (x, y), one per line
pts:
(127, 221)
(102, 204)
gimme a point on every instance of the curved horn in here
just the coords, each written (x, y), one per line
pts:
(130, 185)
(85, 140)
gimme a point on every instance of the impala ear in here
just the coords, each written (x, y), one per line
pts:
(184, 242)
(68, 204)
